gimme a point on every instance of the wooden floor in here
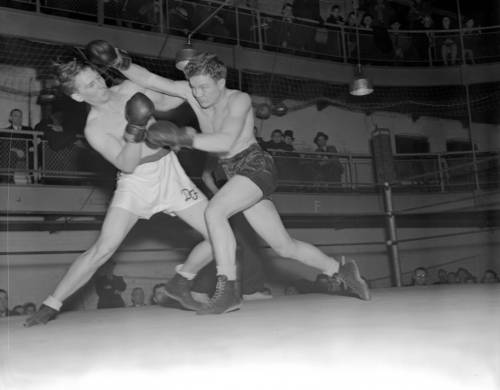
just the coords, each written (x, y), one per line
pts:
(436, 337)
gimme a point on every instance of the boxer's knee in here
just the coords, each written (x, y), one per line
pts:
(214, 214)
(285, 248)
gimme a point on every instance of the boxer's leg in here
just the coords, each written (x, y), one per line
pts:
(265, 220)
(116, 226)
(179, 287)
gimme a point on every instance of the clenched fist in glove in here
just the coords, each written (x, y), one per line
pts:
(42, 316)
(138, 111)
(101, 53)
(165, 133)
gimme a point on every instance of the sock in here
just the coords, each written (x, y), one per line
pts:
(187, 275)
(231, 274)
(53, 303)
(332, 269)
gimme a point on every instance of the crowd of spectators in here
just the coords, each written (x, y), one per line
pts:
(420, 277)
(300, 26)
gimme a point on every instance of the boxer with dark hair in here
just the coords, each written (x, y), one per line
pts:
(226, 120)
(150, 180)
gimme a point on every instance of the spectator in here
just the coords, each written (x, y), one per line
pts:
(420, 277)
(397, 46)
(425, 42)
(470, 39)
(109, 287)
(490, 276)
(179, 16)
(449, 47)
(276, 142)
(335, 16)
(20, 147)
(18, 310)
(367, 22)
(442, 277)
(55, 134)
(463, 275)
(417, 12)
(382, 12)
(29, 308)
(329, 167)
(288, 139)
(4, 303)
(351, 23)
(137, 297)
(452, 278)
(160, 295)
(259, 139)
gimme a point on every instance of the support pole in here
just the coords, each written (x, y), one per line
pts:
(392, 238)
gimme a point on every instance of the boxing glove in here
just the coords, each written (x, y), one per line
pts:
(102, 54)
(138, 110)
(42, 316)
(165, 133)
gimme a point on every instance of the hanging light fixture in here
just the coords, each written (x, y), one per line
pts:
(188, 52)
(360, 85)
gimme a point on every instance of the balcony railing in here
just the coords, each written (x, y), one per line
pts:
(266, 31)
(26, 158)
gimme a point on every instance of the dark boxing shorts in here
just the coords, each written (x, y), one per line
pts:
(254, 163)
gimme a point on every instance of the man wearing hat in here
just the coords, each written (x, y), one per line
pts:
(328, 168)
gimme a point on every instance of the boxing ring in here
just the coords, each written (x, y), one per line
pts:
(435, 337)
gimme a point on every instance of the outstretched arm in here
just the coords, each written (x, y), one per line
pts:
(103, 54)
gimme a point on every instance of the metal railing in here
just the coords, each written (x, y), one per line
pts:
(25, 157)
(239, 25)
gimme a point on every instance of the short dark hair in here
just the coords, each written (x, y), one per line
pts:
(14, 110)
(206, 64)
(3, 291)
(66, 72)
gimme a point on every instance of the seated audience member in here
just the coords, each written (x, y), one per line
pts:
(288, 139)
(420, 277)
(335, 17)
(109, 287)
(17, 310)
(329, 167)
(490, 276)
(137, 297)
(4, 303)
(259, 139)
(470, 39)
(452, 278)
(424, 42)
(159, 296)
(397, 42)
(57, 137)
(449, 47)
(442, 277)
(276, 142)
(367, 22)
(22, 144)
(29, 308)
(463, 275)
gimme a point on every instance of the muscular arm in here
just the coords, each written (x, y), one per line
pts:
(125, 158)
(149, 80)
(231, 128)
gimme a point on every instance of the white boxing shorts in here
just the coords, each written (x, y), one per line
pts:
(159, 186)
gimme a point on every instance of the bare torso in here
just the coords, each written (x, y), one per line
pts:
(108, 120)
(211, 119)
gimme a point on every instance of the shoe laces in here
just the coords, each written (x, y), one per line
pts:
(219, 289)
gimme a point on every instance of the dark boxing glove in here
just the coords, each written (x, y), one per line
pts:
(101, 53)
(138, 110)
(165, 133)
(42, 316)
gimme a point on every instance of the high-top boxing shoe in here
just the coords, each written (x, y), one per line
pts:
(226, 298)
(179, 288)
(350, 277)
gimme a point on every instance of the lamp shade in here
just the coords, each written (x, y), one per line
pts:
(360, 85)
(184, 55)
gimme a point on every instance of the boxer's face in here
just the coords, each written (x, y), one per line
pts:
(90, 87)
(206, 90)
